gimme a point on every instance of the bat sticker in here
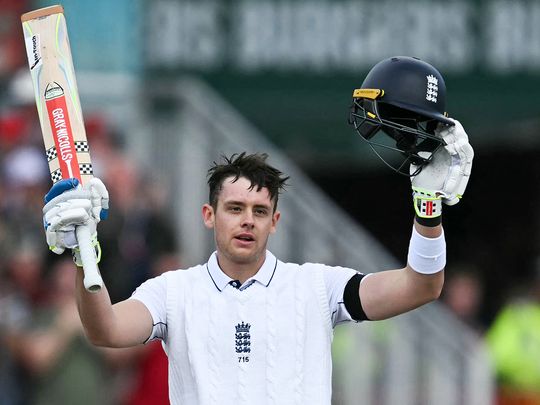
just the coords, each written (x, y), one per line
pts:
(61, 128)
(33, 51)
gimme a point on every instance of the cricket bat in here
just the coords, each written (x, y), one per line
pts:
(60, 114)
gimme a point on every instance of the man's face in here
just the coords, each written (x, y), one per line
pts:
(242, 221)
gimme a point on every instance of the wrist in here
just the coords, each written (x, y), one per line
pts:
(427, 207)
(428, 231)
(427, 255)
(429, 222)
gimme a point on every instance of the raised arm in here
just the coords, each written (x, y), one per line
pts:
(127, 323)
(68, 206)
(393, 292)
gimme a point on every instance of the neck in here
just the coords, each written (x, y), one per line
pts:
(239, 270)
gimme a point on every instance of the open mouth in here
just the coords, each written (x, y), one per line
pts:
(245, 238)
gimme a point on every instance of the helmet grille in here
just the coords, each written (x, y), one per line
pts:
(398, 137)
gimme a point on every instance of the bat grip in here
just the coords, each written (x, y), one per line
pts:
(92, 278)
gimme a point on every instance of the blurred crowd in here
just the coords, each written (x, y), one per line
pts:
(512, 338)
(44, 357)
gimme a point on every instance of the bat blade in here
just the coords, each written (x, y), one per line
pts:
(56, 93)
(60, 113)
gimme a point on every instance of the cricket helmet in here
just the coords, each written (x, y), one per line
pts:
(398, 108)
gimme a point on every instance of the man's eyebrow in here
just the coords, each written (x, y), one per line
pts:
(233, 202)
(243, 204)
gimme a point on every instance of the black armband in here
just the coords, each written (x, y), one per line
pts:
(351, 298)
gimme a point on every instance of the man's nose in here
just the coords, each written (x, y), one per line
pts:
(247, 219)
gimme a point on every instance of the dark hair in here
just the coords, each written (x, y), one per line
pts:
(252, 167)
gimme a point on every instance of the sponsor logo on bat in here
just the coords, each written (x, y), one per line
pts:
(33, 51)
(53, 90)
(61, 128)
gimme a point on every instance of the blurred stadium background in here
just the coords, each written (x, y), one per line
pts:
(167, 86)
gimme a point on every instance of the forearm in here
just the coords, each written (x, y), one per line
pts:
(125, 324)
(393, 292)
(96, 312)
(70, 207)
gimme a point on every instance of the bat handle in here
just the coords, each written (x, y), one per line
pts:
(92, 278)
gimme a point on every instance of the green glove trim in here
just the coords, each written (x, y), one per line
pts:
(77, 253)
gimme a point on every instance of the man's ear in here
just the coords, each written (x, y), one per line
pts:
(275, 218)
(208, 216)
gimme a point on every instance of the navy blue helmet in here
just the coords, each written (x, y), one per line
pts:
(398, 108)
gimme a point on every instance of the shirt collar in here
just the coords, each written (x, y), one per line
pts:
(263, 276)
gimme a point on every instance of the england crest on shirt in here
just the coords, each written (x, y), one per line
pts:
(242, 338)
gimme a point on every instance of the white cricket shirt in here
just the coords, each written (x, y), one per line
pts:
(264, 342)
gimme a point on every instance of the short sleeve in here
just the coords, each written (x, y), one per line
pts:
(335, 279)
(153, 294)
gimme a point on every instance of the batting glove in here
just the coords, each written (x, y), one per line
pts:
(445, 178)
(69, 205)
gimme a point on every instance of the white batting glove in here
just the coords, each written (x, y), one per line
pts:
(70, 205)
(445, 178)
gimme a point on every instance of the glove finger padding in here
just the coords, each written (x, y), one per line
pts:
(70, 205)
(54, 244)
(68, 214)
(448, 173)
(100, 199)
(457, 144)
(95, 192)
(62, 222)
(54, 205)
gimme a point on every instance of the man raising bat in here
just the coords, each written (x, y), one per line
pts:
(247, 328)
